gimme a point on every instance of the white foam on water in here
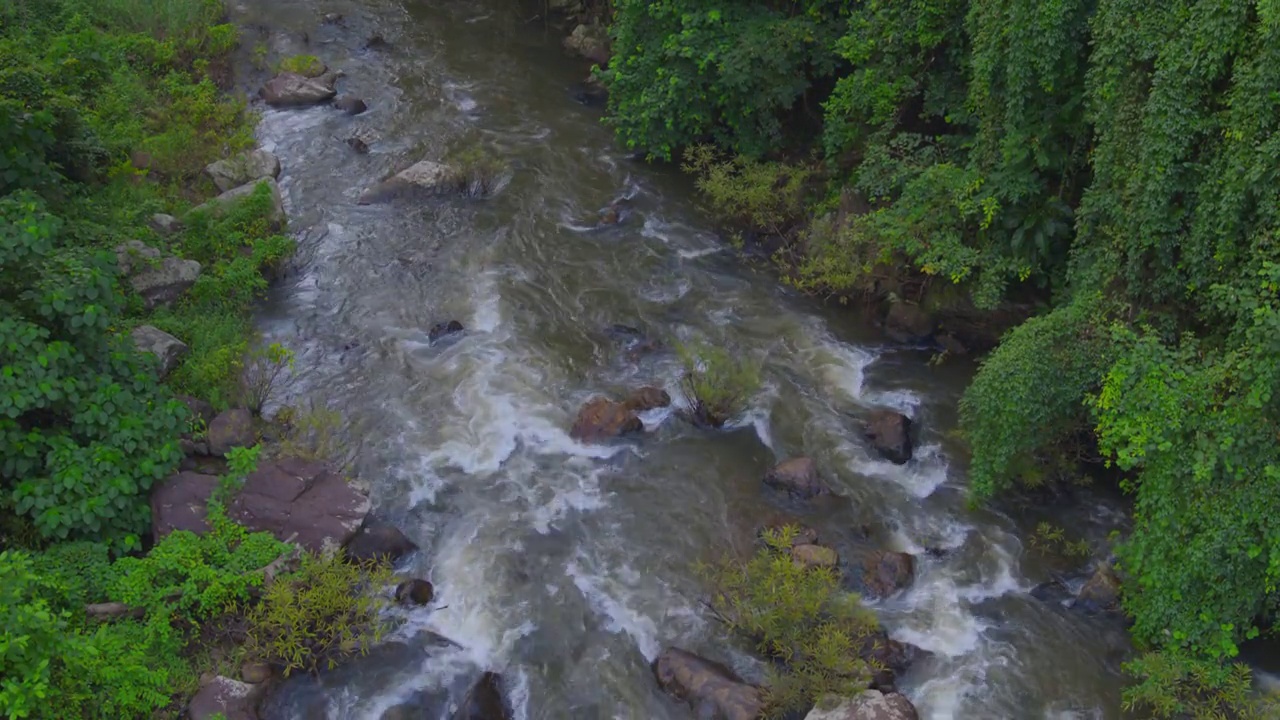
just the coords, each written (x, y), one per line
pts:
(904, 401)
(608, 597)
(840, 366)
(693, 254)
(921, 476)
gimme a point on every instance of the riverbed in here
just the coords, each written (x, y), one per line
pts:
(568, 567)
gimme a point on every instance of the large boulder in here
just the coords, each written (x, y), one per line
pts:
(180, 503)
(350, 104)
(165, 224)
(243, 168)
(881, 573)
(484, 701)
(379, 541)
(798, 476)
(712, 689)
(167, 349)
(889, 432)
(415, 592)
(591, 42)
(160, 280)
(1101, 592)
(424, 177)
(230, 429)
(227, 200)
(647, 398)
(870, 705)
(232, 699)
(444, 329)
(293, 90)
(908, 322)
(301, 499)
(883, 652)
(601, 418)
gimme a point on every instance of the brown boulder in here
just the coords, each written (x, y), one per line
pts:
(380, 541)
(292, 90)
(231, 699)
(647, 398)
(180, 503)
(885, 653)
(890, 434)
(230, 429)
(415, 592)
(884, 572)
(798, 476)
(591, 42)
(908, 321)
(301, 499)
(709, 687)
(1101, 592)
(601, 418)
(255, 672)
(484, 701)
(814, 556)
(869, 705)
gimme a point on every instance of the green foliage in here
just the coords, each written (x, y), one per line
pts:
(798, 616)
(305, 65)
(264, 367)
(84, 428)
(1051, 539)
(475, 171)
(325, 612)
(749, 195)
(312, 433)
(717, 384)
(1172, 685)
(32, 635)
(74, 574)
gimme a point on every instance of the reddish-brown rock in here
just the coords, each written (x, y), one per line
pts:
(300, 499)
(798, 476)
(713, 689)
(601, 418)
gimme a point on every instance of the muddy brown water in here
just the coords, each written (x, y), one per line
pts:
(566, 567)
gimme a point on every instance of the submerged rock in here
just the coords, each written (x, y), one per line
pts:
(889, 432)
(350, 105)
(601, 418)
(293, 90)
(484, 701)
(709, 687)
(798, 476)
(301, 499)
(159, 280)
(243, 168)
(379, 541)
(869, 705)
(167, 349)
(425, 177)
(444, 329)
(415, 592)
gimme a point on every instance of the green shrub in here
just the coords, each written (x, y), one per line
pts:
(749, 195)
(475, 171)
(798, 616)
(1171, 685)
(325, 612)
(312, 433)
(32, 638)
(263, 369)
(717, 384)
(305, 65)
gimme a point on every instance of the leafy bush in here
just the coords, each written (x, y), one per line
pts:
(1171, 685)
(717, 384)
(322, 614)
(797, 615)
(475, 171)
(32, 636)
(84, 428)
(305, 65)
(312, 433)
(263, 368)
(749, 195)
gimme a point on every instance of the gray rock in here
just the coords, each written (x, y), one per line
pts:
(227, 200)
(870, 705)
(230, 429)
(179, 503)
(589, 41)
(798, 476)
(159, 280)
(908, 322)
(890, 434)
(380, 540)
(1101, 592)
(350, 105)
(167, 349)
(243, 168)
(484, 700)
(709, 687)
(302, 499)
(424, 177)
(294, 90)
(233, 699)
(165, 224)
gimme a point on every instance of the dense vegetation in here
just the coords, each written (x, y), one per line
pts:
(1114, 163)
(109, 112)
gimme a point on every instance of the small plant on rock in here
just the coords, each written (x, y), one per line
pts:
(312, 433)
(264, 368)
(476, 171)
(717, 384)
(324, 613)
(796, 615)
(304, 65)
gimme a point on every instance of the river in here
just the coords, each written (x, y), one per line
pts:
(568, 567)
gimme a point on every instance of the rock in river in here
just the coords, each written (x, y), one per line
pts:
(881, 573)
(709, 687)
(350, 104)
(798, 476)
(426, 177)
(379, 541)
(415, 592)
(1101, 592)
(444, 329)
(809, 556)
(647, 398)
(890, 434)
(601, 418)
(484, 701)
(870, 705)
(293, 90)
(230, 699)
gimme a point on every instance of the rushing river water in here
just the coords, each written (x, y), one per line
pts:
(568, 567)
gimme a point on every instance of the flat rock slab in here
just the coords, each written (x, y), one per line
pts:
(243, 168)
(219, 206)
(230, 429)
(294, 90)
(179, 503)
(425, 177)
(708, 686)
(303, 498)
